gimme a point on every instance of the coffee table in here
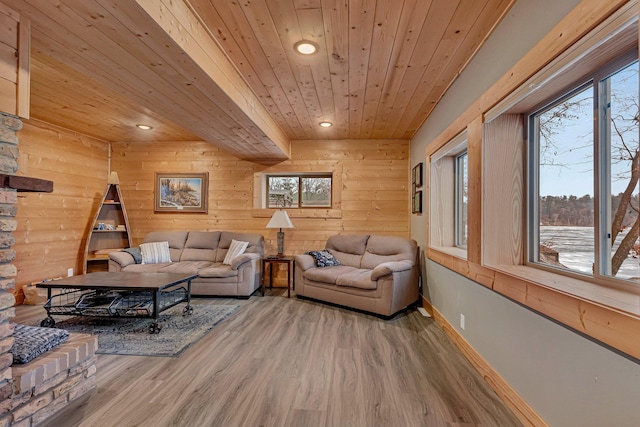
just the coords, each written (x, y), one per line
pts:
(117, 294)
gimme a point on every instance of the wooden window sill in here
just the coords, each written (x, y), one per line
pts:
(626, 300)
(301, 213)
(452, 250)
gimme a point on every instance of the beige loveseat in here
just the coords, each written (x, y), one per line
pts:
(203, 253)
(378, 274)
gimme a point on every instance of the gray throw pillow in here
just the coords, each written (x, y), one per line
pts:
(136, 253)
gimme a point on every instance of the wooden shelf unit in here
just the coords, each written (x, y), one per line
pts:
(111, 213)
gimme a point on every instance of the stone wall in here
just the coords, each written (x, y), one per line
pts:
(9, 126)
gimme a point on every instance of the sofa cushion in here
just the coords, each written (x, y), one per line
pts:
(218, 270)
(328, 274)
(348, 249)
(389, 248)
(324, 258)
(185, 267)
(176, 241)
(350, 244)
(236, 248)
(201, 246)
(155, 252)
(359, 278)
(145, 268)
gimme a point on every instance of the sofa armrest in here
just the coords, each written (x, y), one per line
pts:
(390, 267)
(304, 262)
(122, 259)
(242, 258)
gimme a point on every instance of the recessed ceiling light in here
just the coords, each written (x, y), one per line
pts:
(144, 127)
(326, 124)
(306, 47)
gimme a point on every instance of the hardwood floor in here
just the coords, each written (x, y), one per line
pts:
(290, 362)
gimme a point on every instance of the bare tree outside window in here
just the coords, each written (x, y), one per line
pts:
(306, 191)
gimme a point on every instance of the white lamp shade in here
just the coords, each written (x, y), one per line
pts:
(280, 219)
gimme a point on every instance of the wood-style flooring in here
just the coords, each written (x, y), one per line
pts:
(290, 362)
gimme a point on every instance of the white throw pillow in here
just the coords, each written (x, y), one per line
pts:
(156, 252)
(236, 248)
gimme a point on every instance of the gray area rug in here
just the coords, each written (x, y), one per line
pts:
(130, 336)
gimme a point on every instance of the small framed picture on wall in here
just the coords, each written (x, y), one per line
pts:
(417, 175)
(417, 202)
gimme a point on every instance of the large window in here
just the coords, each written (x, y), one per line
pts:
(299, 191)
(583, 189)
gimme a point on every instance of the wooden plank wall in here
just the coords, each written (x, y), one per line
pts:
(373, 189)
(15, 45)
(52, 226)
(8, 60)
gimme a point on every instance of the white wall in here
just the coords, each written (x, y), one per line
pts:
(568, 379)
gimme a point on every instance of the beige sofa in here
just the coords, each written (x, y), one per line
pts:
(378, 274)
(202, 253)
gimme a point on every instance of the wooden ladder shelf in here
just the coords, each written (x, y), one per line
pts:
(109, 231)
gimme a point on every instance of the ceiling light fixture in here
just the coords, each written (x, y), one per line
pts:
(326, 124)
(144, 127)
(306, 47)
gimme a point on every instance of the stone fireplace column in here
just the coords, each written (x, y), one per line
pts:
(9, 126)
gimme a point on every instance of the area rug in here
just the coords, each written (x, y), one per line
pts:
(130, 336)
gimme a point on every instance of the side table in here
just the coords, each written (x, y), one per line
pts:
(274, 260)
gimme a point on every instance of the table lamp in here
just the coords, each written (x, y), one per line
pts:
(280, 220)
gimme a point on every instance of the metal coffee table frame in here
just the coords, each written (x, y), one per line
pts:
(117, 294)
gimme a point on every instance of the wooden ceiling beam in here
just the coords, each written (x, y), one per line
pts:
(250, 60)
(158, 55)
(223, 81)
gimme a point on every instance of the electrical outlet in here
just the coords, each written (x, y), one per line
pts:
(461, 321)
(70, 272)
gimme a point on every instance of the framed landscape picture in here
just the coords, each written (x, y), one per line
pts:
(181, 192)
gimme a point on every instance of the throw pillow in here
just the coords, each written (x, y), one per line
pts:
(235, 248)
(155, 252)
(136, 253)
(324, 258)
(31, 341)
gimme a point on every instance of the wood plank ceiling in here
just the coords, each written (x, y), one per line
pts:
(225, 71)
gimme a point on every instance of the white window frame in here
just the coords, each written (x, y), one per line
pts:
(443, 197)
(461, 185)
